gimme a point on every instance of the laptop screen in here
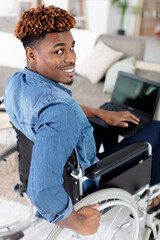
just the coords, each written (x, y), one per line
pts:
(136, 92)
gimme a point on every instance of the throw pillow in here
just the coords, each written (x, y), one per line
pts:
(99, 60)
(125, 65)
(85, 41)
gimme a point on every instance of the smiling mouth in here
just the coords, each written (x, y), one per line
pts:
(69, 70)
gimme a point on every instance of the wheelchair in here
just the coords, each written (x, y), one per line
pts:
(123, 197)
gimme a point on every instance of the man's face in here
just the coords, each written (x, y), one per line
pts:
(55, 57)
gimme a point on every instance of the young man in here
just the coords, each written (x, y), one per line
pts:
(45, 112)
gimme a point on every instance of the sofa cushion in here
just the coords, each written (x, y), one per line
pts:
(129, 45)
(5, 73)
(85, 41)
(100, 59)
(126, 65)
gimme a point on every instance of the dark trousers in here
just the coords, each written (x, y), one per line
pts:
(150, 133)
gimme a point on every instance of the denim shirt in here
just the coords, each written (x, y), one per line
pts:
(46, 113)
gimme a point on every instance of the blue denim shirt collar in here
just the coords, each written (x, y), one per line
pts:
(42, 78)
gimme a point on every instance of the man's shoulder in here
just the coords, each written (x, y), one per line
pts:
(15, 76)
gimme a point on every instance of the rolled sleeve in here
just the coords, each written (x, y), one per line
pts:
(62, 215)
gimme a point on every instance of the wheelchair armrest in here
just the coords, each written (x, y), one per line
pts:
(116, 159)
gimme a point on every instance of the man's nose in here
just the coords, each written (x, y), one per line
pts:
(70, 56)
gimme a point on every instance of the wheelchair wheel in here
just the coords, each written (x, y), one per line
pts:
(119, 217)
(15, 209)
(153, 233)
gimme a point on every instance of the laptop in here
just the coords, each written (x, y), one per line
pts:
(135, 94)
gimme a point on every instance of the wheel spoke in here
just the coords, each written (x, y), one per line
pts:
(114, 224)
(114, 219)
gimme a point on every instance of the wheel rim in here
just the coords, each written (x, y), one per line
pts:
(113, 229)
(112, 211)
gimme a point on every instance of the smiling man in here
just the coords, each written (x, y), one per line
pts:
(45, 112)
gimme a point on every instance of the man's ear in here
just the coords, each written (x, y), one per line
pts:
(31, 55)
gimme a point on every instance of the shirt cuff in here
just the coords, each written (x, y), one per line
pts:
(60, 216)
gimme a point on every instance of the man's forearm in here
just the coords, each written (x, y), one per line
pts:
(72, 222)
(90, 112)
(95, 112)
(110, 117)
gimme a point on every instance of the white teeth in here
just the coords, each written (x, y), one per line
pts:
(69, 70)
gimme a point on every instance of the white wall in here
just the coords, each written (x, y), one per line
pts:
(58, 3)
(98, 14)
(8, 7)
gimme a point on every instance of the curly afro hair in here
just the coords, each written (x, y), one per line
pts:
(35, 23)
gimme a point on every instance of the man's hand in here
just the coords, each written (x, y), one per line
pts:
(111, 117)
(89, 217)
(84, 222)
(120, 119)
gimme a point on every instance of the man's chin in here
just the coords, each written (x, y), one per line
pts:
(69, 83)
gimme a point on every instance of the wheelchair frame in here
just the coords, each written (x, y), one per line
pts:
(137, 203)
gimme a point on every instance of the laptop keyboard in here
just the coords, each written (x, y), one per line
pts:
(110, 107)
(132, 128)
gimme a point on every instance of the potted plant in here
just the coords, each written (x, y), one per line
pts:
(124, 5)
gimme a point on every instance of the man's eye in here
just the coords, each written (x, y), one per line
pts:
(59, 52)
